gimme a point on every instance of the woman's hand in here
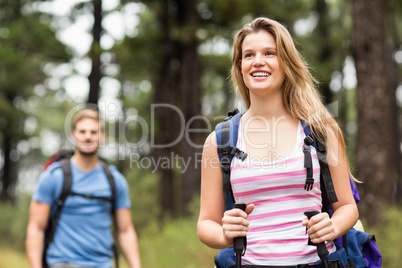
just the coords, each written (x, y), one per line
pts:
(235, 223)
(320, 228)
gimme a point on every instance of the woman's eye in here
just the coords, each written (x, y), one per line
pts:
(270, 53)
(248, 55)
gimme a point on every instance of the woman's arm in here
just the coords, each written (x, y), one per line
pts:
(217, 228)
(321, 227)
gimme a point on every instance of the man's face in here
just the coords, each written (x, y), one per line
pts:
(88, 136)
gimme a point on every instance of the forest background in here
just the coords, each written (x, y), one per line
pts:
(158, 71)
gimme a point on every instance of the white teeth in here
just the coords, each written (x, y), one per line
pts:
(260, 74)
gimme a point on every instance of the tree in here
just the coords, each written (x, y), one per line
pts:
(178, 84)
(183, 49)
(394, 44)
(377, 129)
(95, 53)
(165, 53)
(27, 43)
(190, 101)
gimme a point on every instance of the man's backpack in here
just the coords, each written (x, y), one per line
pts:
(64, 158)
(360, 247)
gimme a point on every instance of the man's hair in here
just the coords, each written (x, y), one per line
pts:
(89, 114)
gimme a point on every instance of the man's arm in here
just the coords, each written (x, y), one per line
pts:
(128, 238)
(38, 219)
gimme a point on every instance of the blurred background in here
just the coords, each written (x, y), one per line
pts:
(159, 72)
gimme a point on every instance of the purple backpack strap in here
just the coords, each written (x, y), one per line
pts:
(354, 190)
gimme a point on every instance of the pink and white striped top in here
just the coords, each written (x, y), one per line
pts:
(276, 188)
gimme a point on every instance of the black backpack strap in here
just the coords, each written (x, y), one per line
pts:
(66, 190)
(308, 163)
(225, 149)
(325, 177)
(89, 196)
(112, 183)
(328, 191)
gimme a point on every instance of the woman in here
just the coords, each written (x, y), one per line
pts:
(278, 91)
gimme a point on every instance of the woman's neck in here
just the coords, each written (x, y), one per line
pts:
(268, 107)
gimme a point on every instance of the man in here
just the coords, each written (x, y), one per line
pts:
(83, 236)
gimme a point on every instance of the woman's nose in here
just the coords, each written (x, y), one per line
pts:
(258, 59)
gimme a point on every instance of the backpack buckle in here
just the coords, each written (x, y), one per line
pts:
(308, 140)
(231, 114)
(309, 184)
(238, 153)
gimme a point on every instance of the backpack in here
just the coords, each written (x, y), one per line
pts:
(64, 158)
(360, 247)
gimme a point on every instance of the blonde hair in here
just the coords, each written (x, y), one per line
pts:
(300, 96)
(89, 114)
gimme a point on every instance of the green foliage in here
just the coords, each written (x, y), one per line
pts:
(11, 258)
(27, 43)
(175, 245)
(13, 222)
(389, 237)
(144, 193)
(137, 55)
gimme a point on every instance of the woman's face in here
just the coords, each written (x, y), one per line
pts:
(260, 63)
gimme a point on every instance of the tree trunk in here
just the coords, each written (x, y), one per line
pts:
(178, 89)
(10, 134)
(326, 52)
(167, 124)
(375, 99)
(95, 53)
(190, 103)
(9, 177)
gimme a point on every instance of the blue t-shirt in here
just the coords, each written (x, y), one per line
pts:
(83, 235)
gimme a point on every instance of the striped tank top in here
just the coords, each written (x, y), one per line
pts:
(276, 188)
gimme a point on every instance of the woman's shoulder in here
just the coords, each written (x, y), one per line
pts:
(336, 148)
(211, 141)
